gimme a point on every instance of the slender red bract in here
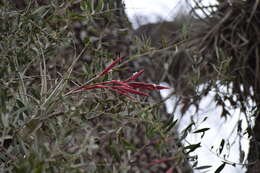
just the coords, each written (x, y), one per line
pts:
(111, 66)
(124, 87)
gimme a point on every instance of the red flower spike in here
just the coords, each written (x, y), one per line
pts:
(122, 87)
(147, 86)
(95, 86)
(130, 90)
(134, 76)
(86, 87)
(89, 86)
(141, 85)
(121, 83)
(121, 92)
(79, 88)
(112, 65)
(159, 87)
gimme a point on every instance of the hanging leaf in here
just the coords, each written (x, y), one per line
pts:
(203, 167)
(201, 130)
(192, 147)
(220, 168)
(221, 146)
(170, 126)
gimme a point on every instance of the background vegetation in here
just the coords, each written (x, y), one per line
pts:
(50, 47)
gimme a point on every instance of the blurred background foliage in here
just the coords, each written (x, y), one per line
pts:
(51, 46)
(218, 50)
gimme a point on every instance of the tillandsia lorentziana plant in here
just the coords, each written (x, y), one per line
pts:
(125, 87)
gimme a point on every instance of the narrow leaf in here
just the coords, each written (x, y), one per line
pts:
(220, 168)
(121, 83)
(221, 146)
(134, 76)
(170, 126)
(130, 90)
(111, 66)
(203, 167)
(192, 147)
(146, 86)
(122, 92)
(95, 86)
(201, 130)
